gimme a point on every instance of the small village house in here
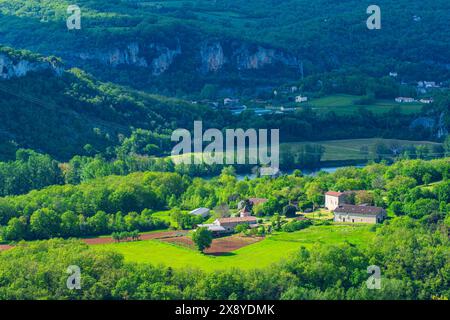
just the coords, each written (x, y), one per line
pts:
(227, 225)
(247, 206)
(404, 100)
(426, 101)
(334, 199)
(203, 212)
(359, 214)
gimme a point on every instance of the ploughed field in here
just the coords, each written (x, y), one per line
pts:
(235, 251)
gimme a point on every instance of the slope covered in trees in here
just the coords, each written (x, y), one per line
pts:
(61, 113)
(414, 259)
(126, 203)
(324, 36)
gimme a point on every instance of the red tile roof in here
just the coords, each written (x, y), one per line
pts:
(334, 193)
(237, 219)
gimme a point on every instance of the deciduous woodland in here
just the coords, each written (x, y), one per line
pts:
(88, 180)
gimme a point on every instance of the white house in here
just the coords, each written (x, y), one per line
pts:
(230, 101)
(334, 199)
(404, 100)
(204, 212)
(227, 225)
(426, 101)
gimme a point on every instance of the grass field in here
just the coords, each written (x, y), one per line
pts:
(262, 254)
(348, 104)
(321, 214)
(342, 150)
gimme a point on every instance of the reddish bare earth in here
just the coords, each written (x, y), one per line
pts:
(219, 246)
(5, 247)
(149, 236)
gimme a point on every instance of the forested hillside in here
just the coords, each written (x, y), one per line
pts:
(233, 37)
(62, 112)
(116, 203)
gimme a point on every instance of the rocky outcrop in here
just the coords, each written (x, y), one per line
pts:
(212, 56)
(436, 126)
(164, 58)
(240, 56)
(248, 59)
(14, 68)
(157, 57)
(442, 129)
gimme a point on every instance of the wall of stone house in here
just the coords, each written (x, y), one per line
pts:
(331, 202)
(356, 218)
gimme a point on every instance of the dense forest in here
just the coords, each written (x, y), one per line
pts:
(73, 113)
(412, 40)
(409, 253)
(85, 142)
(126, 203)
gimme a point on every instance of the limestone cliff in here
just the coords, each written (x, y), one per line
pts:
(20, 67)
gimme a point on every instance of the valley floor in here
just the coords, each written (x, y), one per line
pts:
(260, 254)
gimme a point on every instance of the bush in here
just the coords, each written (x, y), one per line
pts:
(296, 225)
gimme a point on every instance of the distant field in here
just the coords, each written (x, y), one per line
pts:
(273, 249)
(347, 104)
(341, 150)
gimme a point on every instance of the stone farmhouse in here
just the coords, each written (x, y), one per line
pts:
(359, 214)
(344, 211)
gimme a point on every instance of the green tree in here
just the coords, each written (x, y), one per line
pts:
(290, 211)
(45, 223)
(202, 238)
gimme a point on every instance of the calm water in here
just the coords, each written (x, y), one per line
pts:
(305, 172)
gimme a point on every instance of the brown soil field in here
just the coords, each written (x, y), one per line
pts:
(219, 246)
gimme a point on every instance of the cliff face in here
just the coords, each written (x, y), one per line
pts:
(241, 56)
(154, 56)
(435, 124)
(10, 68)
(210, 56)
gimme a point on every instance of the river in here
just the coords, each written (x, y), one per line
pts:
(305, 172)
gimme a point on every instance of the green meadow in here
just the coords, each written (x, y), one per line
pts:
(348, 104)
(350, 149)
(338, 150)
(273, 249)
